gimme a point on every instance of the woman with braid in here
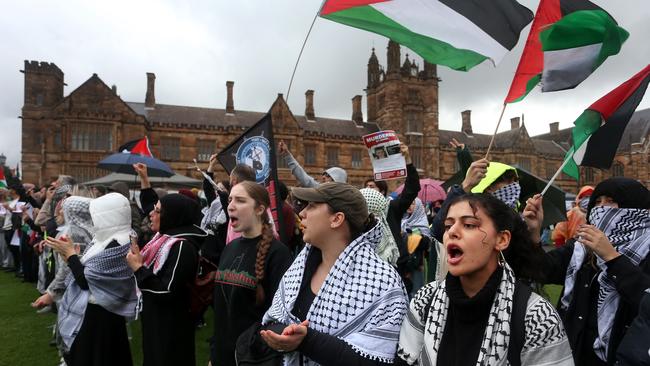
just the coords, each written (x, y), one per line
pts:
(250, 269)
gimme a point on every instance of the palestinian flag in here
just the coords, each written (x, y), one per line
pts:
(459, 34)
(3, 180)
(568, 40)
(599, 128)
(139, 147)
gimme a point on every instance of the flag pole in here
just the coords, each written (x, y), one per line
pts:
(548, 185)
(495, 130)
(302, 49)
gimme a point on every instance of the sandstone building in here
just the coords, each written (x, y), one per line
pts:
(69, 134)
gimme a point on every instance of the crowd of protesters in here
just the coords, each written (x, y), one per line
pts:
(364, 277)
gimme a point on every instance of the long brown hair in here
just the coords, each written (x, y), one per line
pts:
(261, 198)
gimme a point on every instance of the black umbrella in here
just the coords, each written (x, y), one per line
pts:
(554, 198)
(123, 163)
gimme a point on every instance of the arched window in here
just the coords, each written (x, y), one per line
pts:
(618, 169)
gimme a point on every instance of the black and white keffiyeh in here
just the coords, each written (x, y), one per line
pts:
(111, 286)
(378, 206)
(628, 229)
(362, 301)
(431, 305)
(416, 220)
(545, 342)
(509, 194)
(213, 215)
(78, 224)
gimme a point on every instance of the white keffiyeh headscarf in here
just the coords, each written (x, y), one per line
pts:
(78, 223)
(378, 206)
(362, 301)
(628, 229)
(417, 219)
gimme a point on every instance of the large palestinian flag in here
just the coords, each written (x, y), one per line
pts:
(599, 128)
(568, 40)
(456, 33)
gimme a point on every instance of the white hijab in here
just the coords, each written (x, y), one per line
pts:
(111, 215)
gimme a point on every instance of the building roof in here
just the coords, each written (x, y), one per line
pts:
(636, 131)
(166, 114)
(336, 127)
(503, 140)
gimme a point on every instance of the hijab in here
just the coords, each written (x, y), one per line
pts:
(177, 210)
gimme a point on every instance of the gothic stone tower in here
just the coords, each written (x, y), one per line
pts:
(404, 98)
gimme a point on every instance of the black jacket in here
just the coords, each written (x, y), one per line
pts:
(636, 343)
(398, 207)
(580, 317)
(167, 325)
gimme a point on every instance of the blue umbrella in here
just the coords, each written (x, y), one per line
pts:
(123, 163)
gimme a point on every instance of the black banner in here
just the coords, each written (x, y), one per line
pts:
(256, 148)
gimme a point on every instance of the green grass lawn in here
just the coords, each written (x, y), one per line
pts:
(25, 335)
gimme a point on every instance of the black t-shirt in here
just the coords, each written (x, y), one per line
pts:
(234, 295)
(467, 319)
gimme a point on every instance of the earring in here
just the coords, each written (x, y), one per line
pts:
(502, 259)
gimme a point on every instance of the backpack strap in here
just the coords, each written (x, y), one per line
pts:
(517, 323)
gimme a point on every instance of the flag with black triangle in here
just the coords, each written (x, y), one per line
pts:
(256, 148)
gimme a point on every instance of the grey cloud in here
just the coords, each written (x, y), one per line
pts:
(194, 47)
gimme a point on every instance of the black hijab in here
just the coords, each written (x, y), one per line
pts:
(178, 211)
(626, 192)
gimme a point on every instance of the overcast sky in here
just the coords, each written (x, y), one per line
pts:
(194, 47)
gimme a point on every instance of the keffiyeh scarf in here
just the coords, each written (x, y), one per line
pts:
(78, 223)
(433, 304)
(213, 215)
(155, 253)
(628, 229)
(378, 206)
(509, 194)
(112, 286)
(362, 301)
(416, 220)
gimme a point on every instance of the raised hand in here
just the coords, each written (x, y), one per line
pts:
(134, 257)
(282, 148)
(476, 172)
(597, 241)
(63, 246)
(455, 144)
(534, 216)
(213, 163)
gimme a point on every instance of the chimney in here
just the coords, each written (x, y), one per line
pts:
(309, 107)
(230, 104)
(467, 122)
(357, 114)
(114, 89)
(150, 99)
(555, 127)
(514, 122)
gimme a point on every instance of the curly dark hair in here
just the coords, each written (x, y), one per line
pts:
(520, 254)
